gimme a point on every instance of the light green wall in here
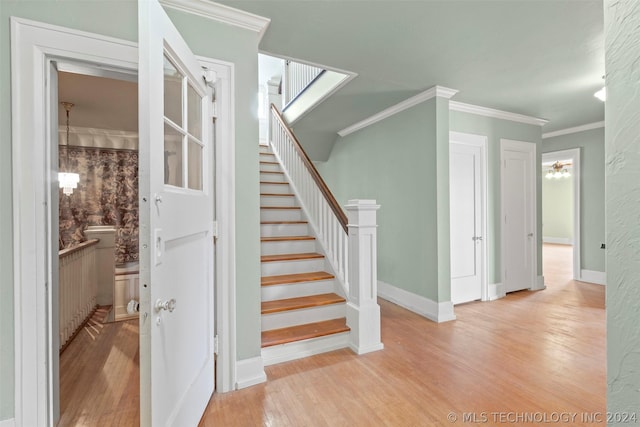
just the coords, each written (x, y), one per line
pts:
(592, 209)
(557, 208)
(119, 19)
(622, 204)
(494, 130)
(394, 162)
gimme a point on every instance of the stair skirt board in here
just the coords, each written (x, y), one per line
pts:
(276, 268)
(291, 229)
(294, 290)
(305, 348)
(285, 319)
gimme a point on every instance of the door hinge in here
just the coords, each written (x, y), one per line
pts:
(214, 229)
(215, 345)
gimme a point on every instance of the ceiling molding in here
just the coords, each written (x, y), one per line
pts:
(496, 114)
(576, 129)
(221, 13)
(435, 91)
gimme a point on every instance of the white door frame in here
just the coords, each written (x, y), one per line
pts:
(479, 141)
(574, 155)
(506, 144)
(34, 46)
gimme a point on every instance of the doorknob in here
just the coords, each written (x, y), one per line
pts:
(476, 238)
(166, 305)
(530, 235)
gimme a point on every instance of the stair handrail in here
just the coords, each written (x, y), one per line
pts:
(297, 78)
(326, 192)
(323, 212)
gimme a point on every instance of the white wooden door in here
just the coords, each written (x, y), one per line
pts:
(466, 222)
(176, 224)
(519, 215)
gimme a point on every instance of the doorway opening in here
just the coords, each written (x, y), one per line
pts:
(561, 215)
(98, 290)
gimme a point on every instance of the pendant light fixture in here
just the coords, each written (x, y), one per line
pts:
(558, 171)
(68, 180)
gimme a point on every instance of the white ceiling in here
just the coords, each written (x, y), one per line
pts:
(100, 103)
(541, 58)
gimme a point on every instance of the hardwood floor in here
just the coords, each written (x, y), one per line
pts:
(530, 354)
(536, 354)
(100, 379)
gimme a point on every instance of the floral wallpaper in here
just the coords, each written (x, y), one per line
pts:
(106, 195)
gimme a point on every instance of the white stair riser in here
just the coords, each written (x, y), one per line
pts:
(275, 188)
(280, 215)
(272, 177)
(264, 148)
(277, 201)
(269, 166)
(277, 268)
(274, 230)
(286, 319)
(288, 247)
(299, 349)
(294, 290)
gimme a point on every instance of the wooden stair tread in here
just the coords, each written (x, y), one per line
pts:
(279, 207)
(290, 257)
(277, 195)
(274, 182)
(282, 222)
(276, 172)
(286, 238)
(264, 162)
(304, 332)
(295, 278)
(277, 306)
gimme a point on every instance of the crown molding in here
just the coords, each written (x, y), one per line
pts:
(496, 114)
(221, 13)
(576, 129)
(435, 91)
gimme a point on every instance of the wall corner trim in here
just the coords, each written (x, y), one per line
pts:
(250, 372)
(8, 423)
(576, 129)
(221, 13)
(435, 91)
(496, 114)
(438, 312)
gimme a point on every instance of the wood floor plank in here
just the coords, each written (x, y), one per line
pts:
(290, 257)
(303, 332)
(528, 352)
(295, 278)
(277, 306)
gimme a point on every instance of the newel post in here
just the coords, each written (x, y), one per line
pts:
(363, 311)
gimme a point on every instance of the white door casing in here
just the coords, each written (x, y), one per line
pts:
(176, 225)
(34, 45)
(468, 187)
(518, 219)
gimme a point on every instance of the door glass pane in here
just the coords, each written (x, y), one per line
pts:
(172, 156)
(194, 112)
(195, 165)
(172, 92)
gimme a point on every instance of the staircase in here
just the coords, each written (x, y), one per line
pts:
(303, 307)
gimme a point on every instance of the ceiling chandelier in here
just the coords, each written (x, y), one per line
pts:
(558, 171)
(68, 180)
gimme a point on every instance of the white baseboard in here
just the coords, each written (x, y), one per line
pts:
(591, 276)
(250, 372)
(496, 291)
(299, 349)
(436, 311)
(8, 423)
(557, 240)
